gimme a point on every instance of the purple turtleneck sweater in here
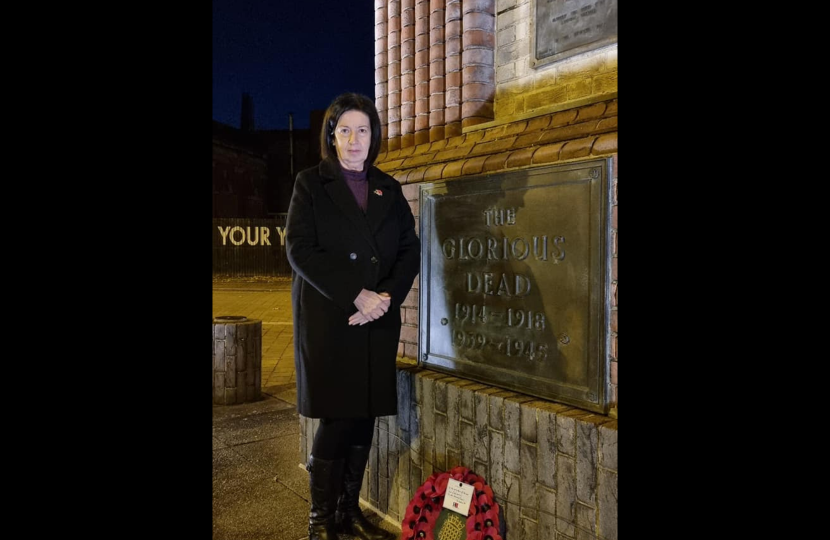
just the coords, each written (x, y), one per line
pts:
(357, 182)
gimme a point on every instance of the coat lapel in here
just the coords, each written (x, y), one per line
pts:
(380, 199)
(342, 196)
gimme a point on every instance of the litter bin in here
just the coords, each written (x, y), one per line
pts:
(237, 360)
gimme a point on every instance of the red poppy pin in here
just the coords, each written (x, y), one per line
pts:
(378, 192)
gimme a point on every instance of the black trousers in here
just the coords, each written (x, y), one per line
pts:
(335, 435)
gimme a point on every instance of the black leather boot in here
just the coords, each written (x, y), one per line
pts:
(325, 479)
(350, 519)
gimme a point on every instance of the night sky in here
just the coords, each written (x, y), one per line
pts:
(290, 56)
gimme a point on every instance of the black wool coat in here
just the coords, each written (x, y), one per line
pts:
(336, 250)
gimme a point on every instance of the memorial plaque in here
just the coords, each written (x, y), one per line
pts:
(564, 28)
(514, 280)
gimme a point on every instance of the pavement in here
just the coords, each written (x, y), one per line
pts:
(260, 489)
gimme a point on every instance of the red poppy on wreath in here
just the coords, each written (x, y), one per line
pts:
(423, 510)
(378, 192)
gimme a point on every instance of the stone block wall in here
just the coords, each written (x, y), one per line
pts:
(553, 468)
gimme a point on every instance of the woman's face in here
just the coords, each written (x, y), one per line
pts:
(352, 138)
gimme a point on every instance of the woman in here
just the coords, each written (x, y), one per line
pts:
(352, 244)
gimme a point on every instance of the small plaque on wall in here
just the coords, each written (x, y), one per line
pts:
(514, 280)
(564, 28)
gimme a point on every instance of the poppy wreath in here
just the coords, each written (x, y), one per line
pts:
(425, 507)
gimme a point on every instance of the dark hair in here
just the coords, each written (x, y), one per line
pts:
(349, 101)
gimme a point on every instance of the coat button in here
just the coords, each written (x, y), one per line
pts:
(374, 260)
(353, 256)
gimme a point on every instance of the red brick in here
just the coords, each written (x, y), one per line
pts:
(477, 74)
(408, 36)
(614, 217)
(614, 269)
(408, 111)
(411, 192)
(547, 153)
(436, 68)
(411, 351)
(482, 6)
(478, 92)
(452, 115)
(394, 84)
(394, 105)
(421, 120)
(411, 316)
(613, 372)
(436, 18)
(400, 349)
(477, 56)
(380, 47)
(614, 320)
(452, 10)
(408, 13)
(452, 97)
(411, 299)
(421, 8)
(453, 79)
(452, 43)
(436, 51)
(613, 295)
(481, 20)
(409, 334)
(477, 38)
(578, 148)
(473, 165)
(520, 158)
(614, 234)
(422, 59)
(408, 90)
(436, 104)
(421, 47)
(605, 144)
(482, 109)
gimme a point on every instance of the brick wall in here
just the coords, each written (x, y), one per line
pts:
(553, 468)
(458, 96)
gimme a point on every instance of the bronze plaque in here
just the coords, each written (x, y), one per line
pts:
(564, 28)
(514, 280)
